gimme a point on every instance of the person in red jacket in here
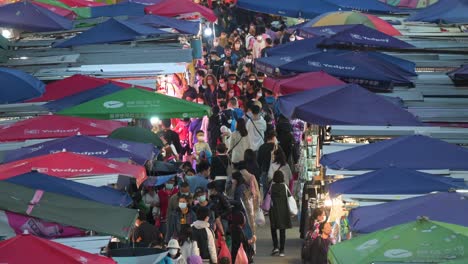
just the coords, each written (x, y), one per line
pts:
(164, 195)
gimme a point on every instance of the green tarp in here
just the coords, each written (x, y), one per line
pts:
(137, 103)
(88, 215)
(422, 241)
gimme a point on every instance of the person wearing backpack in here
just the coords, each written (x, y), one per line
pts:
(204, 236)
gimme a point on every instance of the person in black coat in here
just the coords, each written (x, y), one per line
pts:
(238, 237)
(320, 246)
(280, 217)
(220, 162)
(171, 136)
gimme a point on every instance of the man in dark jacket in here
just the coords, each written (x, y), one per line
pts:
(171, 136)
(204, 236)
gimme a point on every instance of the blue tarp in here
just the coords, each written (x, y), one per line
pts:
(395, 181)
(27, 16)
(296, 47)
(121, 9)
(347, 104)
(79, 98)
(355, 35)
(444, 11)
(411, 152)
(188, 27)
(18, 86)
(92, 146)
(110, 31)
(158, 180)
(56, 185)
(460, 75)
(444, 207)
(370, 69)
(307, 9)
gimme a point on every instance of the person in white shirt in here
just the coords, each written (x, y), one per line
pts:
(256, 127)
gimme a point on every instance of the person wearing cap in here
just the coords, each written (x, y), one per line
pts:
(174, 252)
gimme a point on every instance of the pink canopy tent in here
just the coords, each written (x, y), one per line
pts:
(301, 82)
(184, 8)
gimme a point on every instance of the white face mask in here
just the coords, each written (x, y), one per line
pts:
(259, 94)
(232, 81)
(173, 251)
(248, 60)
(222, 84)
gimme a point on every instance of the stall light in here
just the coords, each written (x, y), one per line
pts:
(7, 33)
(207, 32)
(155, 120)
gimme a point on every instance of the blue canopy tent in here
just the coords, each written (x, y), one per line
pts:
(383, 181)
(444, 12)
(306, 9)
(354, 35)
(369, 69)
(18, 86)
(410, 152)
(444, 207)
(183, 26)
(29, 17)
(110, 31)
(296, 47)
(56, 185)
(159, 180)
(82, 97)
(459, 76)
(93, 146)
(120, 9)
(348, 104)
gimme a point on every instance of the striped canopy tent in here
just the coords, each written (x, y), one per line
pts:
(410, 3)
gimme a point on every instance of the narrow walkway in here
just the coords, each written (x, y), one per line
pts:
(264, 246)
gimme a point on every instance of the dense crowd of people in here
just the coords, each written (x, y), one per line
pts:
(230, 160)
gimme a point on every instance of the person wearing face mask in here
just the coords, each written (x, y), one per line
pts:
(229, 55)
(201, 146)
(238, 49)
(246, 70)
(201, 200)
(250, 92)
(180, 218)
(232, 85)
(164, 194)
(174, 252)
(216, 47)
(216, 64)
(184, 190)
(258, 45)
(222, 89)
(211, 90)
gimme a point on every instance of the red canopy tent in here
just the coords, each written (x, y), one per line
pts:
(185, 8)
(57, 10)
(76, 84)
(301, 82)
(71, 165)
(81, 3)
(31, 249)
(52, 126)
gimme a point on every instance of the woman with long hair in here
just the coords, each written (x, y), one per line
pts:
(238, 142)
(280, 217)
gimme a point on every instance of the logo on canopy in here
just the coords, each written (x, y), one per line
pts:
(314, 63)
(286, 59)
(113, 104)
(398, 253)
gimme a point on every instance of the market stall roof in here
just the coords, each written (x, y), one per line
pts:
(303, 8)
(71, 165)
(108, 148)
(370, 68)
(459, 76)
(301, 82)
(295, 48)
(410, 3)
(444, 12)
(43, 250)
(420, 241)
(184, 26)
(382, 182)
(53, 126)
(136, 103)
(446, 207)
(110, 31)
(352, 18)
(88, 215)
(75, 84)
(18, 86)
(347, 104)
(26, 16)
(354, 35)
(67, 13)
(410, 152)
(104, 194)
(119, 9)
(183, 8)
(136, 134)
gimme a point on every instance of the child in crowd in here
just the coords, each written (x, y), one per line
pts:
(201, 146)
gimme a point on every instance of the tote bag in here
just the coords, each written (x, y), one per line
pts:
(291, 202)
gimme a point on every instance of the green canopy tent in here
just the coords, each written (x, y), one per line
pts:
(105, 219)
(137, 134)
(422, 241)
(137, 103)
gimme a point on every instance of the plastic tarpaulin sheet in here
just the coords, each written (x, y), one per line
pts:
(18, 86)
(300, 83)
(110, 31)
(104, 195)
(383, 182)
(30, 17)
(410, 152)
(444, 11)
(188, 27)
(347, 104)
(444, 207)
(66, 210)
(120, 9)
(92, 146)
